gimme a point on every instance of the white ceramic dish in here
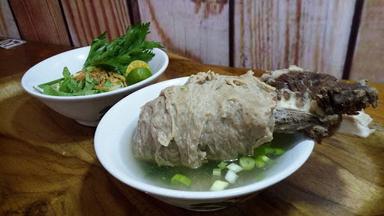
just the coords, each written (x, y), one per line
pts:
(88, 109)
(113, 149)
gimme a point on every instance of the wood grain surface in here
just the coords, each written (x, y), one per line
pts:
(196, 29)
(48, 165)
(88, 19)
(369, 50)
(8, 27)
(272, 34)
(267, 34)
(19, 59)
(40, 21)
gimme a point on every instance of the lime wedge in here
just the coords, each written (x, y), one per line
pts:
(136, 64)
(137, 75)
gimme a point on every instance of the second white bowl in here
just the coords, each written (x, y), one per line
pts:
(89, 109)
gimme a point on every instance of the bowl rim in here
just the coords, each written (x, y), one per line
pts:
(190, 195)
(99, 95)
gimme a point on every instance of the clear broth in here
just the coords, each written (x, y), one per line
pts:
(202, 177)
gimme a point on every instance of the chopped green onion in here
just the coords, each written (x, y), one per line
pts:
(265, 158)
(222, 165)
(263, 150)
(231, 176)
(234, 167)
(247, 163)
(179, 179)
(216, 172)
(278, 151)
(219, 185)
(260, 161)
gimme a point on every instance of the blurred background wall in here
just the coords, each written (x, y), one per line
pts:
(339, 37)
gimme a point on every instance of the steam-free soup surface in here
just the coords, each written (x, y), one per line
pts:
(202, 178)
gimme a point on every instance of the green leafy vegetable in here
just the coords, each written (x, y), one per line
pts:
(68, 86)
(112, 56)
(117, 54)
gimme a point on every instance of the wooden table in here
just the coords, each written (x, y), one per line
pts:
(48, 165)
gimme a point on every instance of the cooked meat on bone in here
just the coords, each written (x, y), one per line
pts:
(321, 95)
(211, 117)
(332, 96)
(217, 117)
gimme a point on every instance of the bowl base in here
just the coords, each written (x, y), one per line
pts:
(88, 123)
(205, 209)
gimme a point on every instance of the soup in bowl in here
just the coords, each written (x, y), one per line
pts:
(113, 145)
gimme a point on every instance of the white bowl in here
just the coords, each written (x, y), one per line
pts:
(88, 109)
(113, 149)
